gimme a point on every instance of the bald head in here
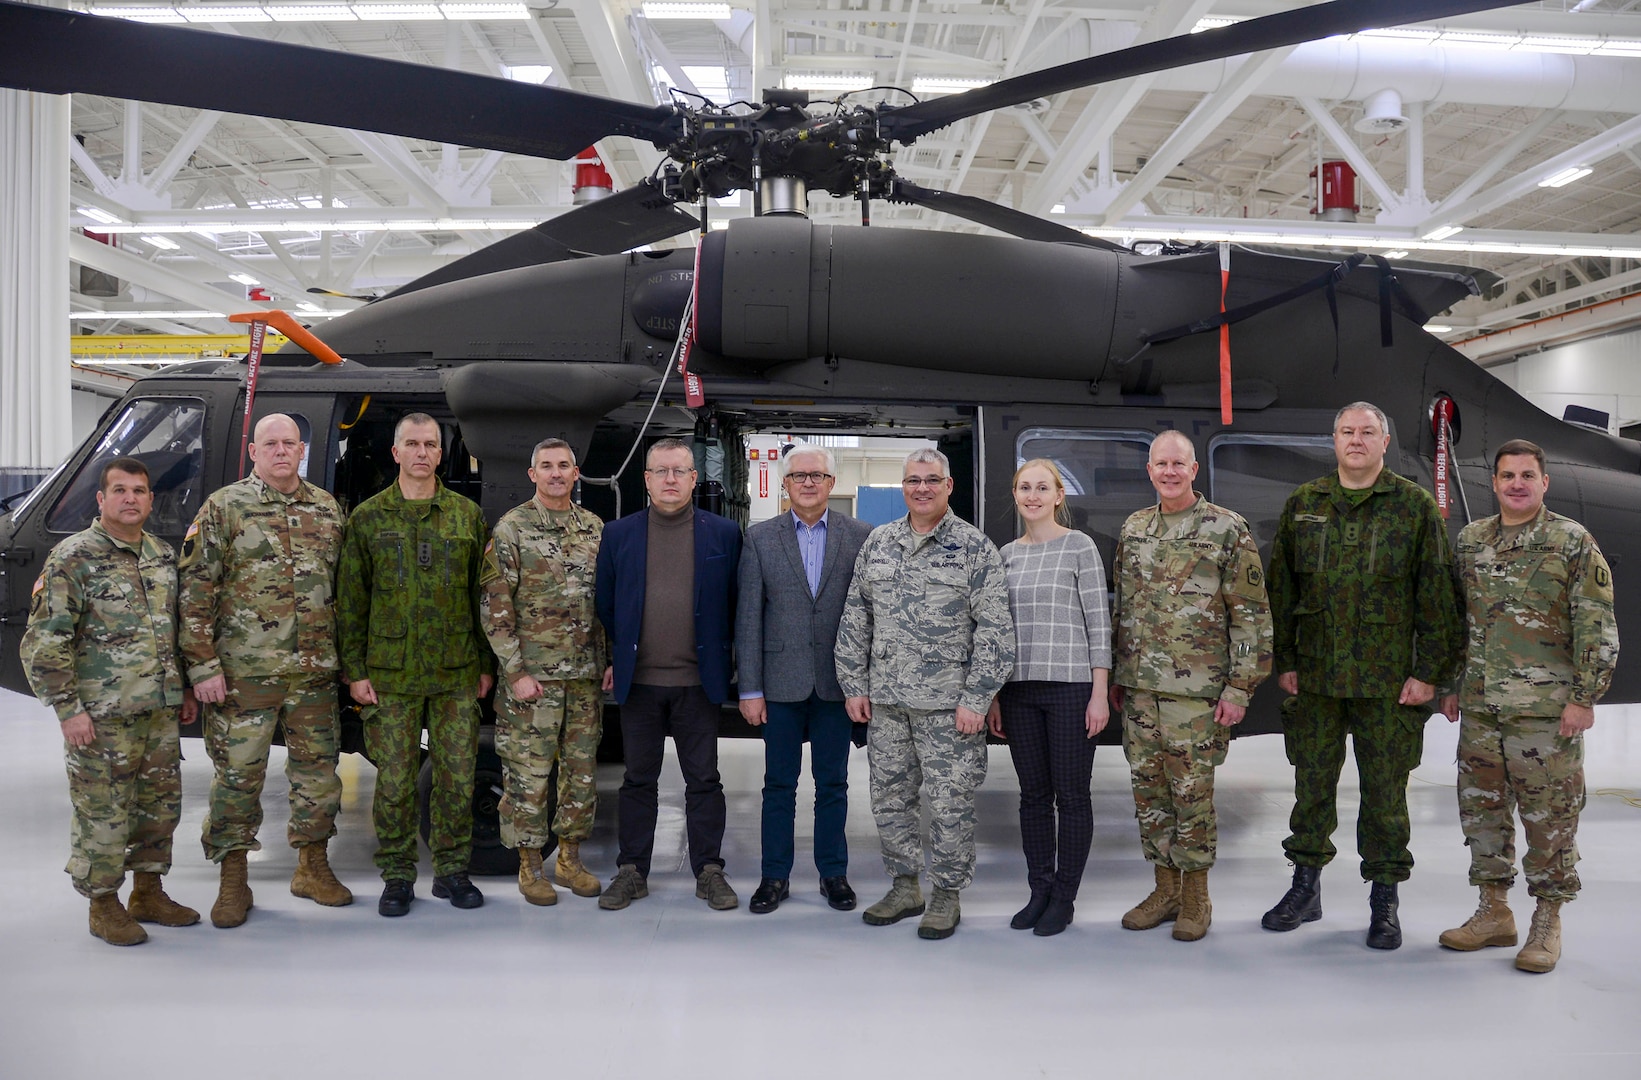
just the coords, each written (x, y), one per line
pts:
(276, 421)
(276, 452)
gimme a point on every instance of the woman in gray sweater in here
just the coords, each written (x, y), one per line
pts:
(1055, 702)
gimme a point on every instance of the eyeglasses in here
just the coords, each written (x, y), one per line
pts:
(912, 483)
(809, 477)
(670, 474)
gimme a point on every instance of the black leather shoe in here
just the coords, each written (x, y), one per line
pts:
(396, 899)
(768, 895)
(1055, 918)
(839, 896)
(1301, 904)
(1027, 917)
(1384, 929)
(458, 890)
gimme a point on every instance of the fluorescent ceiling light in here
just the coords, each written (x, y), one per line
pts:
(946, 84)
(1443, 233)
(485, 11)
(1401, 33)
(223, 14)
(825, 83)
(1397, 254)
(97, 213)
(1212, 22)
(139, 316)
(656, 9)
(1057, 208)
(244, 279)
(1155, 231)
(164, 243)
(310, 13)
(1437, 328)
(1576, 46)
(719, 223)
(396, 12)
(1470, 40)
(528, 73)
(140, 14)
(1619, 48)
(1565, 176)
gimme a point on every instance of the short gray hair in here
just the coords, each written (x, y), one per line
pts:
(1363, 406)
(929, 455)
(1180, 437)
(416, 418)
(809, 448)
(551, 444)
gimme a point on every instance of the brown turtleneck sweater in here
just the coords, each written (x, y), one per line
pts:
(666, 641)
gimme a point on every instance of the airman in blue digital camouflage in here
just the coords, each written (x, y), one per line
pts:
(926, 642)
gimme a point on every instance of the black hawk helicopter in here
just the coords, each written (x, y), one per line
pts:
(1043, 342)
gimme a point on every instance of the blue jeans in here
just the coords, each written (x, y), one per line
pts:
(826, 726)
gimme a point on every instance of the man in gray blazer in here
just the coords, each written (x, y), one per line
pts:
(795, 573)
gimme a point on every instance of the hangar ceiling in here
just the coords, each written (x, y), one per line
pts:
(1452, 129)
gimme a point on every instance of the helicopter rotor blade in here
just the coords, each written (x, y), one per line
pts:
(52, 51)
(638, 215)
(992, 215)
(909, 122)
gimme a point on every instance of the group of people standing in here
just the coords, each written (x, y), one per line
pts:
(914, 638)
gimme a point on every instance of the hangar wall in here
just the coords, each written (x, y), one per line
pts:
(1606, 372)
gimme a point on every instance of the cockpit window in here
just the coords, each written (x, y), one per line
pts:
(1255, 474)
(167, 435)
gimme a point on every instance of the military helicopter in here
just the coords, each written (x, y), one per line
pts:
(1039, 343)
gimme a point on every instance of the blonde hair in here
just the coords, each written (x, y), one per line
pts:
(1062, 511)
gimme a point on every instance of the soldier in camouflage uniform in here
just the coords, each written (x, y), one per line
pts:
(925, 643)
(1542, 647)
(1193, 643)
(257, 572)
(407, 599)
(1367, 624)
(100, 651)
(536, 605)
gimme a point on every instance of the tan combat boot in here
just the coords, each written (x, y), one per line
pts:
(569, 872)
(149, 903)
(1196, 912)
(1161, 906)
(944, 913)
(111, 922)
(533, 881)
(1492, 924)
(905, 897)
(314, 878)
(1543, 946)
(233, 904)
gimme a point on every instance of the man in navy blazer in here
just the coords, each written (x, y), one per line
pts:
(666, 596)
(795, 573)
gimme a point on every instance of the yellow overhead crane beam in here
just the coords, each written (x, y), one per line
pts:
(159, 347)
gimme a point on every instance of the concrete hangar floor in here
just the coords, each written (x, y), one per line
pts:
(668, 988)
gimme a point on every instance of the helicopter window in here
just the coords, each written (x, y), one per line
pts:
(1255, 474)
(1104, 474)
(167, 435)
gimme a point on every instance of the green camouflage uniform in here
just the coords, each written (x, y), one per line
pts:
(407, 609)
(1542, 634)
(1193, 628)
(257, 573)
(536, 606)
(926, 627)
(101, 640)
(1362, 598)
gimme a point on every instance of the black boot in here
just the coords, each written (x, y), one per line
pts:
(1027, 917)
(1384, 929)
(1056, 917)
(1301, 904)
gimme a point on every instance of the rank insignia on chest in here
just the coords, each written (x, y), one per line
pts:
(424, 553)
(293, 521)
(1352, 532)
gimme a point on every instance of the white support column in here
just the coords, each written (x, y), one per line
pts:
(36, 418)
